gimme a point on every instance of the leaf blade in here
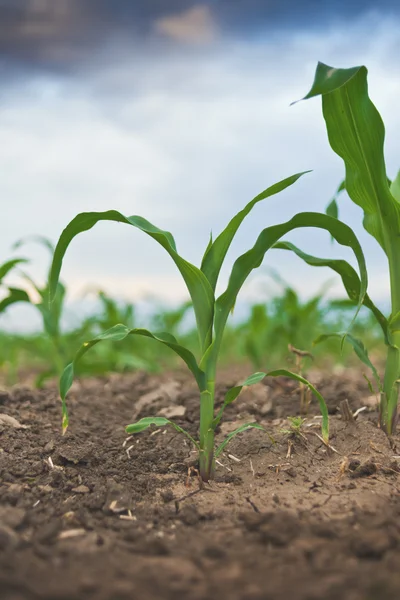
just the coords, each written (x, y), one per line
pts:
(147, 422)
(356, 133)
(119, 333)
(216, 251)
(196, 282)
(348, 275)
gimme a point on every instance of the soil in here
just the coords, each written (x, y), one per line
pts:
(94, 515)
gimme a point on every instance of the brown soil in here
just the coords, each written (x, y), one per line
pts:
(93, 516)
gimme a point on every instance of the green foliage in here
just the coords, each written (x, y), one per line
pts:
(356, 133)
(295, 426)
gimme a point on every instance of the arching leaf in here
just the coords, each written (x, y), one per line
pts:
(147, 422)
(199, 288)
(116, 334)
(350, 279)
(252, 259)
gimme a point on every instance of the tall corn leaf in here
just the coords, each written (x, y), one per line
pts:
(395, 187)
(199, 288)
(116, 334)
(349, 276)
(216, 251)
(356, 133)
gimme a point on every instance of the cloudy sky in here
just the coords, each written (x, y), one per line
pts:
(178, 110)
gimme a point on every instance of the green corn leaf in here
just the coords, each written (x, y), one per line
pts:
(356, 133)
(216, 252)
(350, 279)
(395, 187)
(199, 288)
(6, 267)
(234, 392)
(319, 397)
(252, 259)
(147, 422)
(240, 429)
(15, 295)
(116, 334)
(358, 348)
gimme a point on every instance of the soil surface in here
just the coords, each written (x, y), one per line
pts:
(94, 515)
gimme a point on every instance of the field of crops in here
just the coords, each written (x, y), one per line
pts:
(200, 456)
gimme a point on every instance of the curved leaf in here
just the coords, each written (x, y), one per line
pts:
(198, 286)
(252, 259)
(359, 349)
(146, 422)
(15, 295)
(234, 392)
(356, 133)
(240, 429)
(116, 334)
(9, 265)
(216, 251)
(350, 279)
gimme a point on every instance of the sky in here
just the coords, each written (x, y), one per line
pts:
(179, 111)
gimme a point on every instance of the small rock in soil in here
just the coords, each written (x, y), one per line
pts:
(8, 421)
(365, 470)
(173, 412)
(49, 447)
(81, 489)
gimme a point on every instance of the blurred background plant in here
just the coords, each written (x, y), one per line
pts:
(276, 333)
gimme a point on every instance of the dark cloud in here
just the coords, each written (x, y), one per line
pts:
(60, 34)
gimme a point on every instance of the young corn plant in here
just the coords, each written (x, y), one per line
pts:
(51, 313)
(356, 133)
(211, 312)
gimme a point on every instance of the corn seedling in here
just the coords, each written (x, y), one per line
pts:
(356, 133)
(211, 313)
(305, 392)
(50, 313)
(295, 427)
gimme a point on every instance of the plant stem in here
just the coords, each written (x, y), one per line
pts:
(389, 397)
(206, 458)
